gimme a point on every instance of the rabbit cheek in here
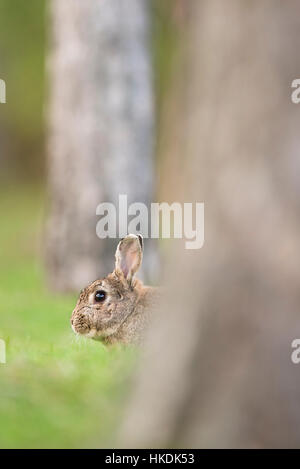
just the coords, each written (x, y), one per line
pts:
(105, 317)
(103, 321)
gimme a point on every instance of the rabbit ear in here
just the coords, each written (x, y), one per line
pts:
(129, 255)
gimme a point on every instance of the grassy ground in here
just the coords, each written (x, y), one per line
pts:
(55, 390)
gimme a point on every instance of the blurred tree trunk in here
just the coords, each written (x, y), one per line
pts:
(217, 370)
(100, 130)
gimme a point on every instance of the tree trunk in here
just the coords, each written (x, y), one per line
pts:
(100, 130)
(217, 369)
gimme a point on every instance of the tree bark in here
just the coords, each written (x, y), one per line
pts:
(100, 130)
(216, 369)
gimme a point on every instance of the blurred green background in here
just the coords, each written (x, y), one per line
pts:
(53, 385)
(55, 390)
(22, 51)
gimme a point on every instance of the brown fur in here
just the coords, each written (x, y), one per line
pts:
(124, 314)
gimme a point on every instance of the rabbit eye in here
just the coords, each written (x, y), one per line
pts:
(100, 295)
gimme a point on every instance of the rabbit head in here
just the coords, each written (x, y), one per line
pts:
(106, 303)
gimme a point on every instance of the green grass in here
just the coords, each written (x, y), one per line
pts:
(55, 390)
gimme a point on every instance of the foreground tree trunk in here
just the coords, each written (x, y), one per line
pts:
(100, 130)
(217, 369)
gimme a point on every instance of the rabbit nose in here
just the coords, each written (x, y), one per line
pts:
(79, 322)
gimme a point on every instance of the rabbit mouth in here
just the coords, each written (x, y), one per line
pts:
(85, 330)
(85, 324)
(80, 328)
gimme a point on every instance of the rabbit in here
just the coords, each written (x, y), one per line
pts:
(117, 308)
